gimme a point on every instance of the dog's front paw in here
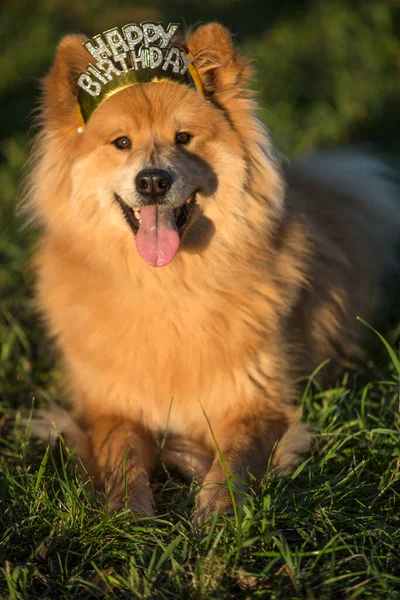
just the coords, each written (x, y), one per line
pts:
(214, 499)
(138, 507)
(139, 499)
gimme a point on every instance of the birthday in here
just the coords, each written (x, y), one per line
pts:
(135, 47)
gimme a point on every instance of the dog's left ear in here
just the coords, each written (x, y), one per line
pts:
(218, 63)
(60, 89)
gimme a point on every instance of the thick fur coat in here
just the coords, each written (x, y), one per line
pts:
(272, 269)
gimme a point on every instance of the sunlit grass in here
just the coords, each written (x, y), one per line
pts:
(332, 529)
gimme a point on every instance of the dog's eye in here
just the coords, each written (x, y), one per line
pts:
(183, 137)
(123, 143)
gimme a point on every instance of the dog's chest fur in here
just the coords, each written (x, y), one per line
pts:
(151, 357)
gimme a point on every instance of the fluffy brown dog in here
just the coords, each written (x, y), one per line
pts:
(262, 281)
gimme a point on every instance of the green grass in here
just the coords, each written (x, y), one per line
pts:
(331, 530)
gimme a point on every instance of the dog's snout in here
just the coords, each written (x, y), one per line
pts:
(153, 182)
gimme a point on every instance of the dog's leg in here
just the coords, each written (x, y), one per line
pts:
(124, 453)
(246, 445)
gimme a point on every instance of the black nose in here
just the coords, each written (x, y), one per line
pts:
(153, 182)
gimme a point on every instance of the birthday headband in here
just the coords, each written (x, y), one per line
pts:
(136, 54)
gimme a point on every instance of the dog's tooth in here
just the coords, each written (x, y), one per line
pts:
(137, 214)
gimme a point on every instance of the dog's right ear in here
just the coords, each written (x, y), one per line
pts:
(60, 89)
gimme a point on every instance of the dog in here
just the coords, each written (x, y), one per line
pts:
(189, 279)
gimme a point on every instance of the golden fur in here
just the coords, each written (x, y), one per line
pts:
(265, 286)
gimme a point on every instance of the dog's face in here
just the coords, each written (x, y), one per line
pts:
(151, 150)
(155, 160)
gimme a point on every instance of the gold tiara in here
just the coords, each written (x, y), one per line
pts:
(136, 54)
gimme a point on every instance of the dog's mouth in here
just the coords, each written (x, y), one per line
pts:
(158, 229)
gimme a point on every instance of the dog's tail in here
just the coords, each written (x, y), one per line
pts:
(370, 182)
(351, 199)
(366, 187)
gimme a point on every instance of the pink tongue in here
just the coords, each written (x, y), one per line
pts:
(157, 240)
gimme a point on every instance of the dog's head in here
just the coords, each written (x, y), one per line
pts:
(157, 161)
